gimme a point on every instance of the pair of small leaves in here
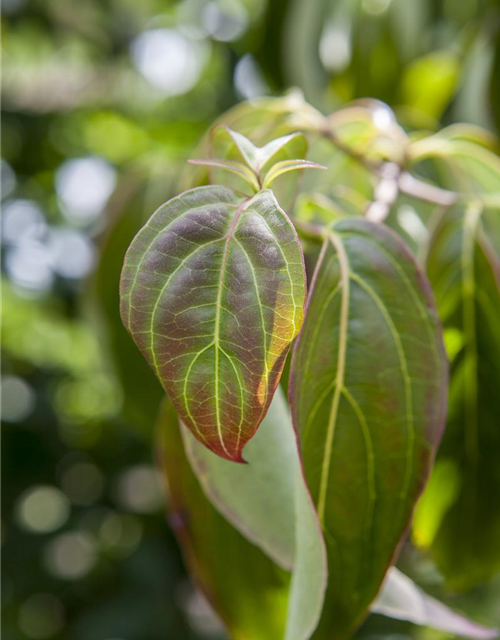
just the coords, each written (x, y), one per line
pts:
(260, 166)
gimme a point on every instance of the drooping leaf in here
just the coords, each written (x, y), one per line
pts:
(467, 164)
(246, 589)
(368, 394)
(267, 501)
(212, 291)
(402, 599)
(237, 491)
(464, 530)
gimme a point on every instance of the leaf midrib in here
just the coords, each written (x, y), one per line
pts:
(346, 276)
(339, 384)
(229, 237)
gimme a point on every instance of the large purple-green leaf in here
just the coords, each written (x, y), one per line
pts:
(368, 394)
(459, 516)
(212, 292)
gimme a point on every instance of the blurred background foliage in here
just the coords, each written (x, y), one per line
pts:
(103, 101)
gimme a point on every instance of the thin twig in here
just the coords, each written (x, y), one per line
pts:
(407, 184)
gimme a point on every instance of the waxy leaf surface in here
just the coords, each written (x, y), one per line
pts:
(257, 498)
(368, 394)
(212, 292)
(459, 516)
(268, 502)
(246, 589)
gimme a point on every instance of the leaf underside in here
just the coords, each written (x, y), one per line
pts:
(268, 502)
(237, 578)
(368, 394)
(212, 292)
(402, 599)
(465, 273)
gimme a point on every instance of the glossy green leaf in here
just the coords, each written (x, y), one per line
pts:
(402, 599)
(212, 291)
(368, 393)
(464, 529)
(246, 589)
(268, 502)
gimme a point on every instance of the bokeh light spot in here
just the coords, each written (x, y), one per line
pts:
(120, 533)
(18, 399)
(335, 47)
(29, 266)
(41, 616)
(72, 252)
(139, 489)
(248, 79)
(84, 185)
(71, 556)
(22, 220)
(169, 60)
(83, 483)
(225, 21)
(42, 509)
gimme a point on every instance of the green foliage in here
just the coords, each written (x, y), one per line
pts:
(86, 554)
(368, 379)
(368, 397)
(465, 273)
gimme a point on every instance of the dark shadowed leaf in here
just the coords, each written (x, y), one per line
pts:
(459, 515)
(212, 292)
(368, 393)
